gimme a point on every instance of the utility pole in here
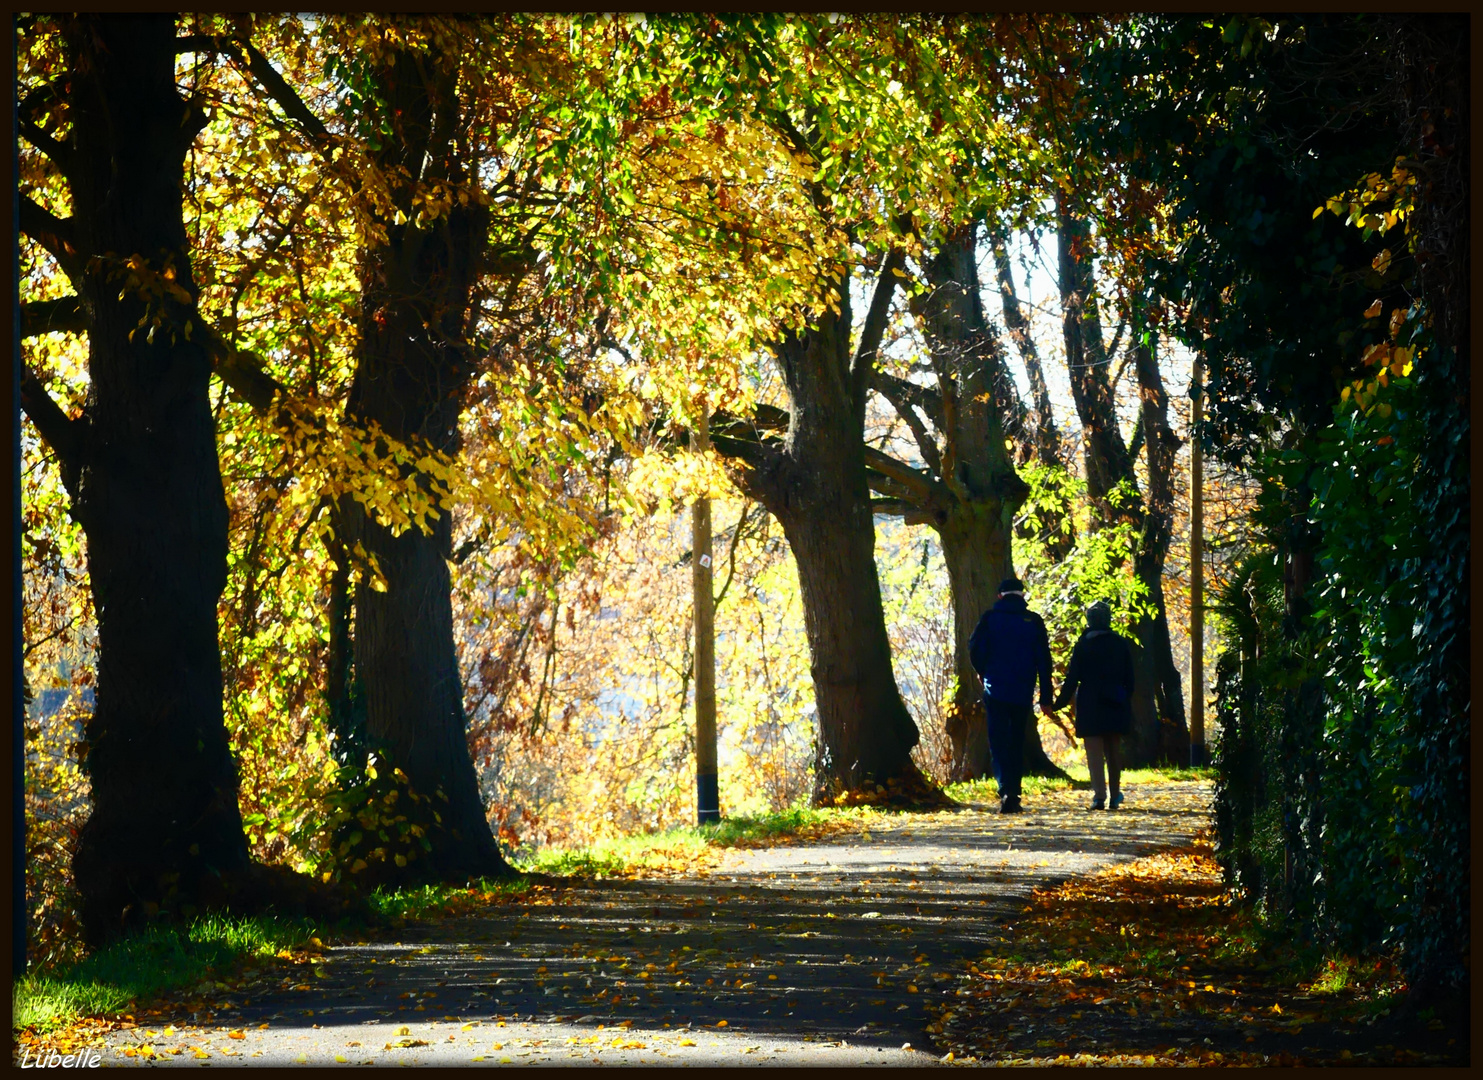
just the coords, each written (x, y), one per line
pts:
(707, 794)
(1197, 755)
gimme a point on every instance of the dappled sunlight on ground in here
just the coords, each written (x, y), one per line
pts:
(838, 949)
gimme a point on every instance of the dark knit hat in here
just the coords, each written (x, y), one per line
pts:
(1011, 584)
(1099, 616)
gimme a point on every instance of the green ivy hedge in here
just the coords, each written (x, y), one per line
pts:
(1342, 773)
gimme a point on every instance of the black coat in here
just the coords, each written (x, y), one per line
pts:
(1101, 676)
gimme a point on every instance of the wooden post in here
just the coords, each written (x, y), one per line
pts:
(1197, 753)
(707, 794)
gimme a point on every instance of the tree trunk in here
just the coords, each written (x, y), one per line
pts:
(1161, 444)
(1047, 438)
(165, 831)
(1108, 462)
(865, 731)
(413, 366)
(814, 483)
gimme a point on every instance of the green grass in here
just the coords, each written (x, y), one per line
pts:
(147, 963)
(622, 854)
(981, 791)
(419, 902)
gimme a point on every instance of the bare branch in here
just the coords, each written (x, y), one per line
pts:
(903, 395)
(48, 316)
(62, 434)
(875, 325)
(53, 233)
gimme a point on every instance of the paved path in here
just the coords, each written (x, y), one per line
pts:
(821, 953)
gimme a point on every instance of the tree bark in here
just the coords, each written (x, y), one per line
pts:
(413, 367)
(1158, 700)
(1106, 456)
(813, 481)
(165, 832)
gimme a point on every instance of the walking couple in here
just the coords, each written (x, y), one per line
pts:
(1010, 651)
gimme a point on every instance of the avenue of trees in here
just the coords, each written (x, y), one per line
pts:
(363, 358)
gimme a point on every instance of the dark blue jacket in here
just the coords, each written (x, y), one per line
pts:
(1009, 649)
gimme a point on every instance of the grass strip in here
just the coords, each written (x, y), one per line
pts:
(149, 962)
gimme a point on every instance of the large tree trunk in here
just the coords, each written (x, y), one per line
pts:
(865, 731)
(1157, 696)
(814, 484)
(413, 366)
(165, 832)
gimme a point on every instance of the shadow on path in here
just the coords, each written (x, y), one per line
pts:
(822, 952)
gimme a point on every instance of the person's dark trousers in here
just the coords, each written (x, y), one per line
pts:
(1007, 743)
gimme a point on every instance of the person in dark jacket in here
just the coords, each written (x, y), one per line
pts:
(1010, 650)
(1100, 676)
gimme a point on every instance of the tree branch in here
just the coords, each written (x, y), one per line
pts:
(241, 370)
(62, 434)
(874, 329)
(767, 465)
(1116, 340)
(278, 89)
(41, 95)
(903, 394)
(47, 316)
(53, 233)
(199, 43)
(59, 153)
(909, 512)
(925, 398)
(920, 485)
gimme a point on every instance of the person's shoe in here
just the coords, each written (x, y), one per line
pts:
(1117, 800)
(1010, 806)
(1097, 804)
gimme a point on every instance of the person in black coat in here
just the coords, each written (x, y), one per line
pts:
(1100, 677)
(1011, 653)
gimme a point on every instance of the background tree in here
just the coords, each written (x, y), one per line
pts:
(1159, 729)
